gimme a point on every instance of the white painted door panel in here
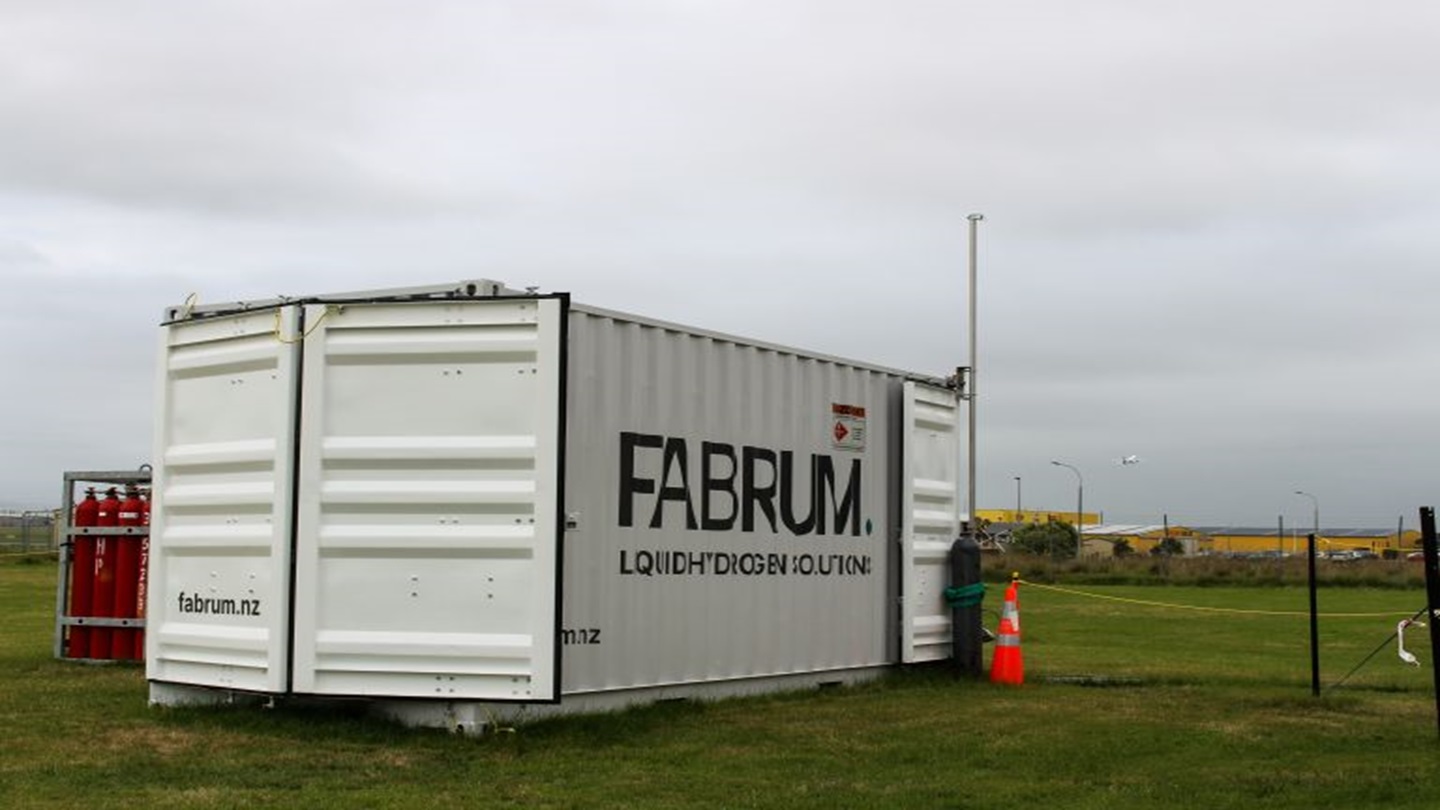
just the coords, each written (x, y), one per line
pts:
(427, 557)
(930, 507)
(219, 572)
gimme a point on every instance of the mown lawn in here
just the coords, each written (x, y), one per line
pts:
(1126, 706)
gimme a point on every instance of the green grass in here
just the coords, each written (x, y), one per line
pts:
(1203, 709)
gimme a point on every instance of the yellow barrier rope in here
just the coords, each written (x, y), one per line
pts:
(1245, 611)
(329, 308)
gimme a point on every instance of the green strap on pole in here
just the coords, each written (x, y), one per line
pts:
(965, 596)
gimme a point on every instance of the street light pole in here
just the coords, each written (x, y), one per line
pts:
(1079, 505)
(1018, 517)
(1315, 504)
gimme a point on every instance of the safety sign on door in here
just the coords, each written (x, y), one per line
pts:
(848, 426)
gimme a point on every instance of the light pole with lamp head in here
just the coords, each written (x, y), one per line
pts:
(1079, 505)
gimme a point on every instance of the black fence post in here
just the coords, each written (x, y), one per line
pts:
(1432, 594)
(966, 611)
(1314, 622)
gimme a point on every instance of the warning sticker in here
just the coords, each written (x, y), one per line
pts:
(847, 430)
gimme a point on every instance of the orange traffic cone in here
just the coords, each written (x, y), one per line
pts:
(1007, 665)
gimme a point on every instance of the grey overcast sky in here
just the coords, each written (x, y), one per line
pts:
(1210, 236)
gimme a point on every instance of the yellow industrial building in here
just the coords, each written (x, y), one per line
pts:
(1256, 540)
(1101, 538)
(1035, 516)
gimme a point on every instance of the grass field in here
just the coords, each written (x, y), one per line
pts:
(1126, 705)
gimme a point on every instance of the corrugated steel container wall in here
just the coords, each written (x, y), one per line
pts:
(220, 552)
(520, 500)
(786, 602)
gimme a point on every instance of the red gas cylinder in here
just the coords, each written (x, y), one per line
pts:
(103, 594)
(140, 588)
(127, 573)
(82, 574)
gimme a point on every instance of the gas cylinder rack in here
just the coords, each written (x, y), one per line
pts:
(104, 557)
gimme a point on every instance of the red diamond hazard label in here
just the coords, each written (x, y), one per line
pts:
(849, 430)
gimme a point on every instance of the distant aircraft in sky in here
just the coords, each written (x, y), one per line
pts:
(1128, 460)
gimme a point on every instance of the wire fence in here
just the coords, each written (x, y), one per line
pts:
(27, 532)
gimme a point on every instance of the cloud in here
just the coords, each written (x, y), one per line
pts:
(1208, 227)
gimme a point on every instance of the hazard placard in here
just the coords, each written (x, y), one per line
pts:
(847, 430)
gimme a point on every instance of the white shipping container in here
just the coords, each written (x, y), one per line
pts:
(464, 502)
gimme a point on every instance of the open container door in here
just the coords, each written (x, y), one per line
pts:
(930, 520)
(427, 553)
(218, 609)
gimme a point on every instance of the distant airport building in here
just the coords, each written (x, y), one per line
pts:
(1259, 540)
(1101, 538)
